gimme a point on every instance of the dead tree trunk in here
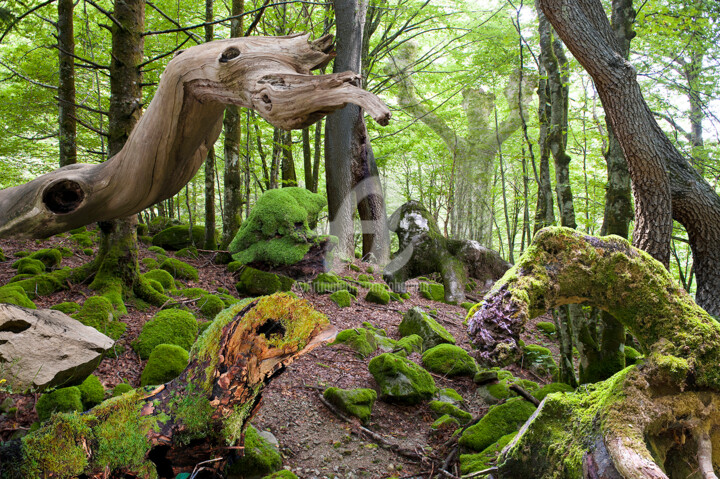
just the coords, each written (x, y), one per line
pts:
(627, 423)
(199, 415)
(168, 145)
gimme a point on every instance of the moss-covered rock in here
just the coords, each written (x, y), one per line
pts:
(417, 321)
(500, 420)
(156, 285)
(68, 307)
(356, 402)
(260, 458)
(60, 400)
(13, 294)
(449, 360)
(2, 256)
(552, 388)
(632, 355)
(254, 282)
(29, 266)
(50, 257)
(278, 229)
(82, 239)
(326, 283)
(98, 312)
(486, 459)
(281, 474)
(166, 362)
(341, 298)
(162, 277)
(361, 340)
(409, 344)
(364, 277)
(432, 291)
(377, 296)
(440, 408)
(150, 263)
(178, 237)
(170, 326)
(401, 380)
(179, 269)
(157, 250)
(189, 252)
(547, 328)
(92, 392)
(210, 305)
(121, 389)
(445, 422)
(449, 395)
(540, 360)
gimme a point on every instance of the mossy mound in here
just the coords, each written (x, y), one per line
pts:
(365, 278)
(170, 326)
(552, 388)
(210, 305)
(547, 328)
(189, 252)
(13, 294)
(156, 285)
(178, 237)
(401, 381)
(281, 474)
(166, 362)
(377, 296)
(68, 307)
(150, 263)
(179, 269)
(45, 284)
(260, 458)
(29, 266)
(2, 256)
(632, 356)
(341, 298)
(445, 421)
(540, 360)
(449, 395)
(409, 344)
(417, 321)
(361, 340)
(326, 283)
(441, 408)
(500, 420)
(83, 240)
(158, 250)
(92, 392)
(498, 389)
(162, 277)
(470, 463)
(60, 400)
(121, 389)
(449, 360)
(432, 291)
(254, 282)
(356, 402)
(50, 257)
(278, 229)
(98, 312)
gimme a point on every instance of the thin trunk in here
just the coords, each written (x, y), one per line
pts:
(210, 241)
(66, 86)
(307, 159)
(317, 157)
(289, 177)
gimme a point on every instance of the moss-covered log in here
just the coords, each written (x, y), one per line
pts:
(166, 430)
(656, 420)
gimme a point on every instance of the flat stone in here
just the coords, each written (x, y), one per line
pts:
(42, 348)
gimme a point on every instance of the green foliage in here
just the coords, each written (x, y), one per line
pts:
(401, 380)
(356, 402)
(60, 400)
(449, 360)
(179, 269)
(166, 362)
(169, 326)
(500, 420)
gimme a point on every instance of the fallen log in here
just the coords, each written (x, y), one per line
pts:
(659, 419)
(202, 414)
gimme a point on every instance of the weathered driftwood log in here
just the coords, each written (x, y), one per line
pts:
(656, 420)
(199, 415)
(268, 74)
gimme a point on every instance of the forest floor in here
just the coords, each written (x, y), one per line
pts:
(314, 442)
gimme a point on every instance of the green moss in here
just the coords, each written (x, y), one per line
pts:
(98, 312)
(552, 388)
(210, 305)
(354, 267)
(189, 252)
(179, 269)
(253, 282)
(260, 457)
(326, 283)
(370, 269)
(60, 400)
(13, 294)
(499, 421)
(178, 237)
(81, 229)
(449, 360)
(56, 449)
(432, 291)
(359, 339)
(470, 463)
(632, 355)
(278, 229)
(50, 257)
(156, 285)
(29, 266)
(356, 402)
(449, 395)
(68, 307)
(440, 408)
(400, 380)
(88, 251)
(234, 266)
(157, 250)
(416, 321)
(162, 277)
(170, 326)
(410, 344)
(92, 392)
(150, 263)
(20, 277)
(539, 359)
(3, 258)
(547, 328)
(377, 297)
(282, 474)
(82, 239)
(145, 292)
(166, 363)
(365, 278)
(445, 421)
(468, 306)
(121, 389)
(341, 298)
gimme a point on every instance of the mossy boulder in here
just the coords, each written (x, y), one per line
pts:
(178, 237)
(632, 355)
(449, 360)
(547, 328)
(82, 239)
(13, 294)
(92, 392)
(166, 362)
(444, 422)
(189, 252)
(400, 380)
(432, 291)
(361, 340)
(259, 459)
(326, 283)
(157, 250)
(498, 389)
(121, 389)
(278, 229)
(150, 263)
(552, 388)
(281, 474)
(449, 395)
(2, 256)
(409, 344)
(254, 282)
(170, 326)
(486, 459)
(29, 266)
(156, 285)
(51, 257)
(356, 402)
(68, 307)
(161, 276)
(417, 321)
(210, 305)
(377, 296)
(60, 400)
(441, 408)
(179, 269)
(341, 298)
(500, 420)
(540, 360)
(98, 312)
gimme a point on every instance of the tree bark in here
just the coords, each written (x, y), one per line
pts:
(66, 84)
(289, 176)
(210, 241)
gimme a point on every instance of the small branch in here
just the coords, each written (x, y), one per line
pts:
(107, 14)
(34, 82)
(525, 395)
(484, 472)
(159, 57)
(91, 128)
(15, 22)
(196, 38)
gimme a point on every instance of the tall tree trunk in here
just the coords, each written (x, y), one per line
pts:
(231, 123)
(307, 159)
(66, 86)
(289, 177)
(545, 208)
(317, 155)
(210, 241)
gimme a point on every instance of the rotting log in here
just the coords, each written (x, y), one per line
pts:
(202, 414)
(659, 419)
(271, 75)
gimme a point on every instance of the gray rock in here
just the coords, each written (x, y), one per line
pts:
(43, 347)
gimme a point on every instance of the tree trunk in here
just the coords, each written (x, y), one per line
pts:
(307, 160)
(210, 241)
(289, 177)
(66, 86)
(200, 415)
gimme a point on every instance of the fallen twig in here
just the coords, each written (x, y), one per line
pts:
(525, 395)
